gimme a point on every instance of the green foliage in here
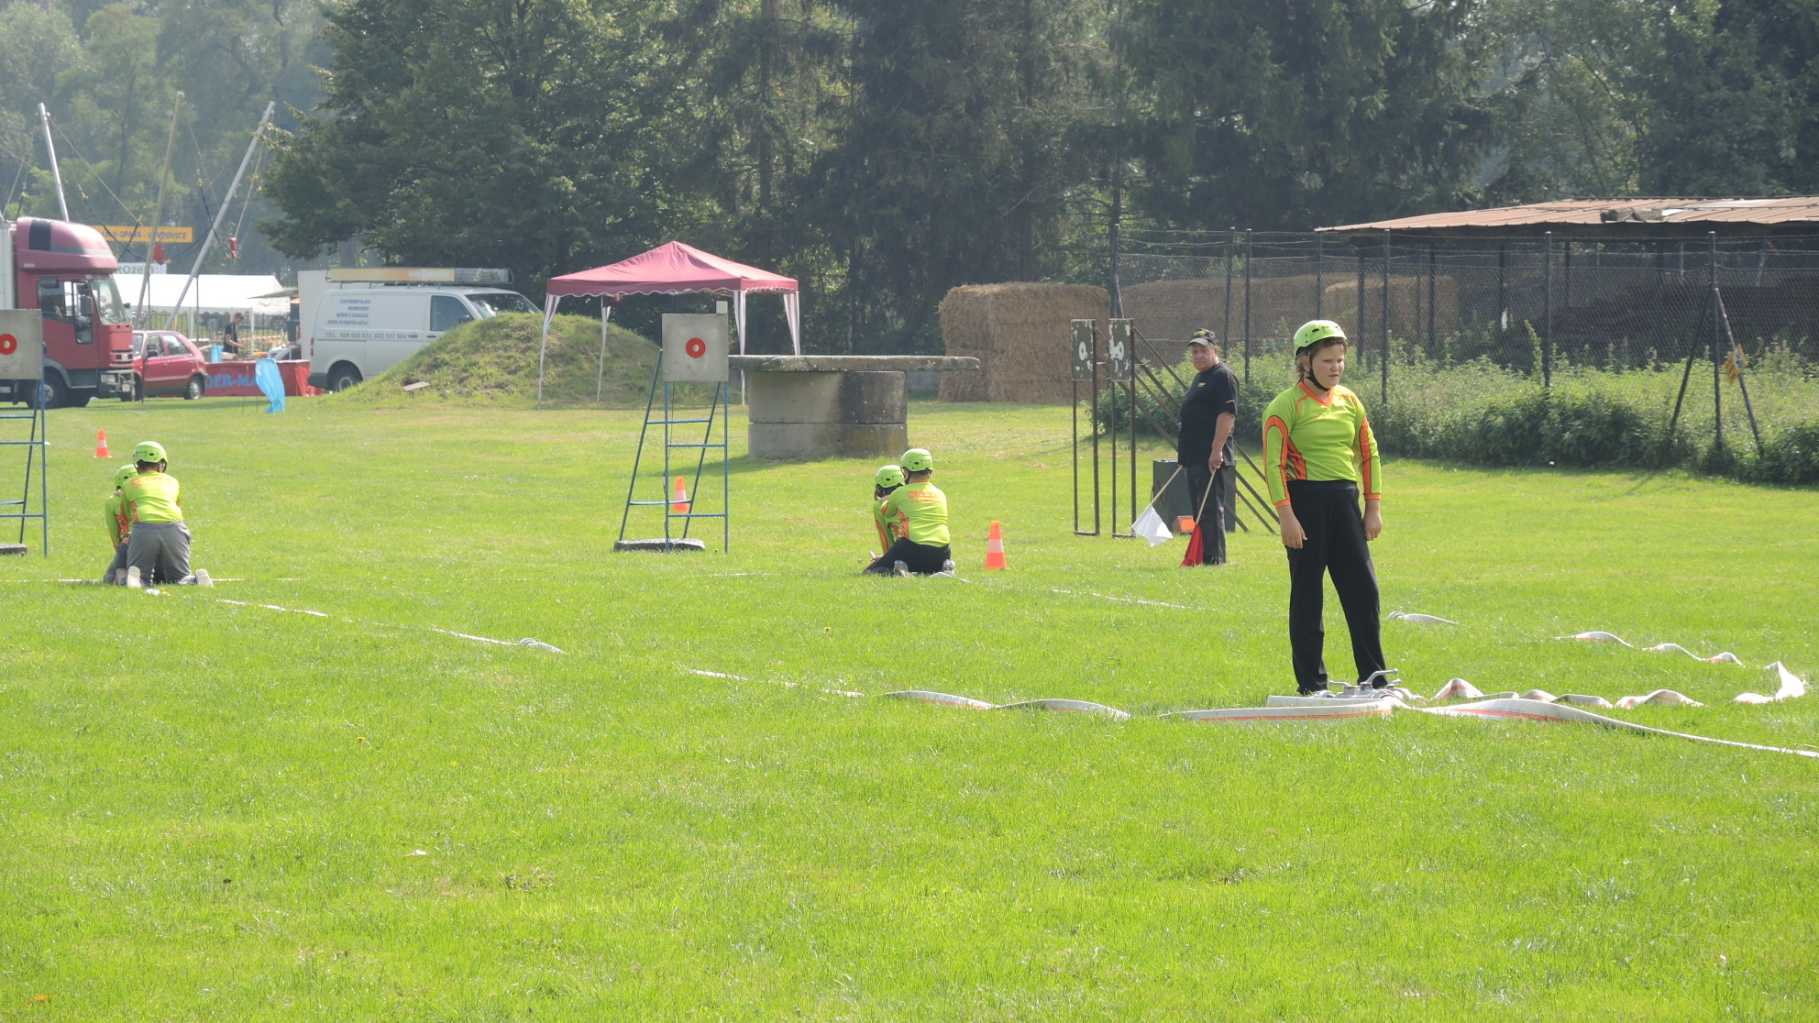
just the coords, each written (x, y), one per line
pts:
(1791, 457)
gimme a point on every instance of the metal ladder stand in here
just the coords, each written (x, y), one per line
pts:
(702, 358)
(21, 352)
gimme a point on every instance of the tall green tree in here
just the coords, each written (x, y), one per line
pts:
(520, 133)
(951, 166)
(1292, 113)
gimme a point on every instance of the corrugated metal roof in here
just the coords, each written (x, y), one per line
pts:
(1785, 210)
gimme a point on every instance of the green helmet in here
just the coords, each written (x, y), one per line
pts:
(917, 460)
(124, 473)
(1315, 331)
(888, 476)
(148, 451)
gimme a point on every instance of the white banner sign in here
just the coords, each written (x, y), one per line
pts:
(21, 345)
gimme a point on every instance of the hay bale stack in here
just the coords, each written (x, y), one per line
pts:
(1020, 335)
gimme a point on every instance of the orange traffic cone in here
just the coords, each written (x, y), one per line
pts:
(679, 503)
(101, 444)
(994, 549)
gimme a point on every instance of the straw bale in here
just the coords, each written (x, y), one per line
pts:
(1019, 332)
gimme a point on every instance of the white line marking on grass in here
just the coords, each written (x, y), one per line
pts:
(535, 644)
(704, 673)
(1122, 600)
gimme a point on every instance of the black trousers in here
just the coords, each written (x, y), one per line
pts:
(921, 559)
(1329, 514)
(1212, 517)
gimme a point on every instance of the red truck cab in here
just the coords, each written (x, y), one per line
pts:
(66, 272)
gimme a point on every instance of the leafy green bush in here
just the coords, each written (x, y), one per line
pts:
(1792, 456)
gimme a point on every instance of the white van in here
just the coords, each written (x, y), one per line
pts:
(357, 323)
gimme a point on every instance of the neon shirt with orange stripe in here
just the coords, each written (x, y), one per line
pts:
(118, 525)
(1312, 436)
(888, 532)
(152, 497)
(919, 512)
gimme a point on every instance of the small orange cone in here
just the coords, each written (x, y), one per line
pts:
(101, 444)
(994, 549)
(679, 503)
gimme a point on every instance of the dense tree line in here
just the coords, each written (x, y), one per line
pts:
(110, 75)
(885, 151)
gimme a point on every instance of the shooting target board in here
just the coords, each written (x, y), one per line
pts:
(694, 348)
(1119, 351)
(21, 345)
(1082, 343)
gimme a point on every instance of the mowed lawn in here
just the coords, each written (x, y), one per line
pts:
(214, 810)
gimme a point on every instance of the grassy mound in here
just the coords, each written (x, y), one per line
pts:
(494, 362)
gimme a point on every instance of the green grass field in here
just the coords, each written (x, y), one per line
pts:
(221, 811)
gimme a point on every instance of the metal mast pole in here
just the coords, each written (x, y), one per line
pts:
(44, 118)
(202, 253)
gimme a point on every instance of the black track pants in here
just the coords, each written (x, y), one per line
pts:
(920, 559)
(1212, 518)
(1328, 510)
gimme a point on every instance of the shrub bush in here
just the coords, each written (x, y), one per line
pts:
(1790, 457)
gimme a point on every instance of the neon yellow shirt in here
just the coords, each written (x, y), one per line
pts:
(152, 497)
(919, 512)
(118, 525)
(888, 532)
(1312, 436)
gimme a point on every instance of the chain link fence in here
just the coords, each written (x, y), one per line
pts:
(1721, 334)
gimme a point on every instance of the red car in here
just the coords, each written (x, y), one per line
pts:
(166, 362)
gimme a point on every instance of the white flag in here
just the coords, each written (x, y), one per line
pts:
(1150, 526)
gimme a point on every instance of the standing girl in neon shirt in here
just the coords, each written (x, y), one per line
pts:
(1320, 453)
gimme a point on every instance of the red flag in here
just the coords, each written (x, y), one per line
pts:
(1195, 553)
(233, 247)
(158, 252)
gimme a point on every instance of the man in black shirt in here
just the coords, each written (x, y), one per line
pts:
(1204, 446)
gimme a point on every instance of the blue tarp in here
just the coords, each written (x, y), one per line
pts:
(271, 384)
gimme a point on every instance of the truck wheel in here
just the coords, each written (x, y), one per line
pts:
(343, 377)
(53, 392)
(78, 399)
(196, 386)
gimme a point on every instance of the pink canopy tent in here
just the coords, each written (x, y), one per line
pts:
(670, 269)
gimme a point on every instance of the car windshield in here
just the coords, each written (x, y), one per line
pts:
(107, 296)
(492, 303)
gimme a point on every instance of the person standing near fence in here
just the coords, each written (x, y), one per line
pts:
(1319, 453)
(1203, 445)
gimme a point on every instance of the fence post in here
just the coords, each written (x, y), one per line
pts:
(1547, 309)
(1566, 272)
(1383, 349)
(1231, 253)
(1319, 275)
(1503, 300)
(1433, 346)
(1247, 307)
(1363, 321)
(1717, 327)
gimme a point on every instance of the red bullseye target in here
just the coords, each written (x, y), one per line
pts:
(8, 344)
(695, 347)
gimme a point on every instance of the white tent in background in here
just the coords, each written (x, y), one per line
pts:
(213, 293)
